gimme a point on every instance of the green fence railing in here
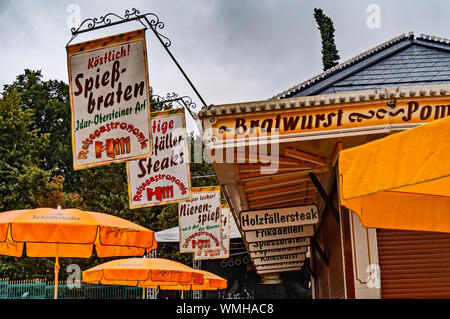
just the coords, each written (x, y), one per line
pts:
(37, 289)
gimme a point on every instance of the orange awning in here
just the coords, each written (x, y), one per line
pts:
(401, 181)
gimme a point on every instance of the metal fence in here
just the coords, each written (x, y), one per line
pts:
(38, 289)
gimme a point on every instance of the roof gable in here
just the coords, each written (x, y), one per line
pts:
(402, 61)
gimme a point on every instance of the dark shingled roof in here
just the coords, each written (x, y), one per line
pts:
(402, 61)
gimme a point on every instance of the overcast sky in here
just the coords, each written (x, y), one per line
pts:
(232, 50)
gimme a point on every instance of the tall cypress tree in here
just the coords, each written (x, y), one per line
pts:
(330, 56)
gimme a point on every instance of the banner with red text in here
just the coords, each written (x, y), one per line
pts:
(163, 177)
(224, 251)
(200, 220)
(109, 98)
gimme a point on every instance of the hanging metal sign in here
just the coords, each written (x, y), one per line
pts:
(200, 220)
(109, 98)
(163, 177)
(224, 251)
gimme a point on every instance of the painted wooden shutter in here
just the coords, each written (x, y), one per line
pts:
(414, 264)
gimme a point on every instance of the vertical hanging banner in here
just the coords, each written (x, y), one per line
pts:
(200, 220)
(163, 177)
(224, 251)
(109, 99)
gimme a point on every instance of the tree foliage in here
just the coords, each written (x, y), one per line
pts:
(330, 56)
(22, 180)
(37, 171)
(50, 105)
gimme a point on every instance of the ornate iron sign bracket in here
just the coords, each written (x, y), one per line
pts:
(149, 21)
(183, 101)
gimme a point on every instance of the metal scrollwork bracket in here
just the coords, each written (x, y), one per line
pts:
(111, 19)
(149, 21)
(183, 101)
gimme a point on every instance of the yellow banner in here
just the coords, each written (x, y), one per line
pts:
(332, 119)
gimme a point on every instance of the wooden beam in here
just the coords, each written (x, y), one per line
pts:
(286, 204)
(245, 168)
(291, 152)
(321, 253)
(308, 267)
(348, 253)
(334, 157)
(324, 196)
(264, 159)
(284, 190)
(258, 172)
(274, 182)
(298, 195)
(297, 173)
(281, 199)
(325, 207)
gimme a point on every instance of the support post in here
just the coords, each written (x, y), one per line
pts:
(322, 254)
(55, 295)
(324, 196)
(308, 267)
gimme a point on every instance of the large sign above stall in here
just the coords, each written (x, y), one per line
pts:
(109, 98)
(262, 121)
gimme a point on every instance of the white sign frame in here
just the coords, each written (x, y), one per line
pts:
(200, 220)
(164, 177)
(109, 98)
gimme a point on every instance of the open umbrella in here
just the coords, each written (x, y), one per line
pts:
(401, 181)
(211, 282)
(153, 273)
(49, 232)
(143, 272)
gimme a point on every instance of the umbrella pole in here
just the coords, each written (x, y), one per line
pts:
(56, 277)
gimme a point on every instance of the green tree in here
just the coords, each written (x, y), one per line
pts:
(330, 56)
(49, 101)
(37, 171)
(22, 179)
(23, 182)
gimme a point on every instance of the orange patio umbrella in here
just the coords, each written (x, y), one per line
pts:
(143, 272)
(49, 232)
(153, 273)
(211, 282)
